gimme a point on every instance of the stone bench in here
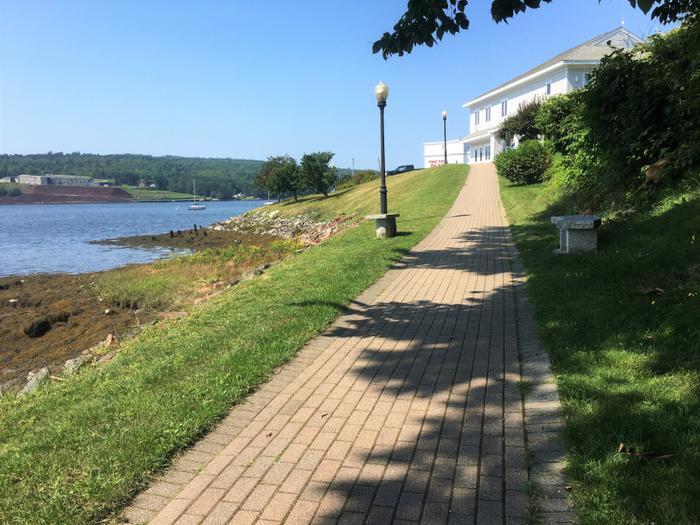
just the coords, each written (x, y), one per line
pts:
(577, 233)
(385, 224)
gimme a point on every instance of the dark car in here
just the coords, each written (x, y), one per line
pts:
(401, 169)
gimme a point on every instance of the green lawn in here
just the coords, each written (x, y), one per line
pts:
(626, 356)
(79, 449)
(145, 194)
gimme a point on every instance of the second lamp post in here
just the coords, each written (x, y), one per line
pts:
(381, 91)
(444, 133)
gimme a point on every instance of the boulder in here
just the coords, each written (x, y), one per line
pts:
(37, 328)
(72, 365)
(13, 385)
(61, 317)
(107, 357)
(38, 379)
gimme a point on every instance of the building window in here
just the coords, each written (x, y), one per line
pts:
(488, 114)
(585, 79)
(488, 152)
(549, 88)
(504, 108)
(476, 118)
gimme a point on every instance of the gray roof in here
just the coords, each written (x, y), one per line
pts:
(593, 49)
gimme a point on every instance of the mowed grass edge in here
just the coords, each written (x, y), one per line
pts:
(622, 328)
(78, 450)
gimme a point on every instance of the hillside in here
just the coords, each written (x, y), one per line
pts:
(218, 178)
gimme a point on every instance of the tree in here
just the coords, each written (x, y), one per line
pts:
(279, 175)
(425, 22)
(317, 173)
(523, 124)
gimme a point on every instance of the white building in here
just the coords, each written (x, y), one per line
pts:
(563, 73)
(33, 180)
(57, 180)
(434, 153)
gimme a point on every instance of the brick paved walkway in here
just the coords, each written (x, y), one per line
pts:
(407, 410)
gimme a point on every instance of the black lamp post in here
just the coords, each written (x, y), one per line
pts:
(381, 91)
(444, 133)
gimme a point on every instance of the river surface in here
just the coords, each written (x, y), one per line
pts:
(52, 238)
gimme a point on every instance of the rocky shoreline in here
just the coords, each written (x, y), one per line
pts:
(47, 319)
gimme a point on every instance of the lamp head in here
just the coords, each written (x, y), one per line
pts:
(444, 114)
(381, 91)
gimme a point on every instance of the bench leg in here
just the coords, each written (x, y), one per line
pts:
(578, 241)
(386, 228)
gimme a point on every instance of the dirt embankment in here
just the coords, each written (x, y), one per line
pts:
(67, 195)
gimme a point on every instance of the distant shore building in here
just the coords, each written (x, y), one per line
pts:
(33, 180)
(562, 74)
(57, 180)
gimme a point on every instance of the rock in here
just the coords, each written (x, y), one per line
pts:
(111, 340)
(72, 365)
(109, 312)
(13, 385)
(41, 377)
(37, 328)
(59, 318)
(107, 357)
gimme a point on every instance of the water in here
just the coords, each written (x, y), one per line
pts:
(53, 238)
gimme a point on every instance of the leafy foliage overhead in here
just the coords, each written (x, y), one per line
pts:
(425, 22)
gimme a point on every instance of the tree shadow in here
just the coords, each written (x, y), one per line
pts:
(435, 380)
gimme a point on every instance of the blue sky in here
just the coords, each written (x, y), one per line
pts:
(250, 79)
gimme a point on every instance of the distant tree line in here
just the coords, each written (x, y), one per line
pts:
(218, 178)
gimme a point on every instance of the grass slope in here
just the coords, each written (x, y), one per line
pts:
(78, 450)
(627, 358)
(144, 194)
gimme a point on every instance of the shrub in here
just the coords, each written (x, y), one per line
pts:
(358, 178)
(643, 106)
(522, 124)
(9, 190)
(525, 164)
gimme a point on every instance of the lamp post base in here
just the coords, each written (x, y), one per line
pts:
(385, 224)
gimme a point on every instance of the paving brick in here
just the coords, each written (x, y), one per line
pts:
(410, 506)
(206, 501)
(221, 513)
(278, 507)
(258, 498)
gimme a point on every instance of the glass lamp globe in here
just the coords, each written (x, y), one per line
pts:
(381, 91)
